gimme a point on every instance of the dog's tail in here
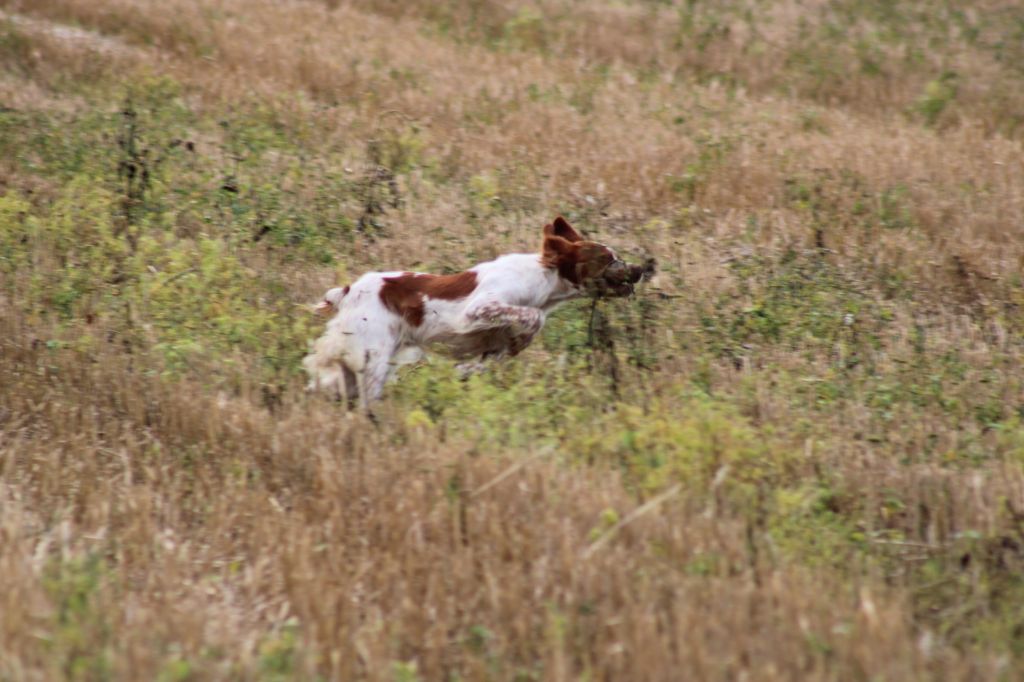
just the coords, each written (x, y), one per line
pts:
(325, 370)
(331, 301)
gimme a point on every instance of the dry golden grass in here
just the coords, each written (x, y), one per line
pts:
(217, 529)
(848, 499)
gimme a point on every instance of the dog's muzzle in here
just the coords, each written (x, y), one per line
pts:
(619, 277)
(616, 270)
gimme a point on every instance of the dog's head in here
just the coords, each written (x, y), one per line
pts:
(589, 265)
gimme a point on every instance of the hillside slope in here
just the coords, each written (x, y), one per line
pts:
(796, 454)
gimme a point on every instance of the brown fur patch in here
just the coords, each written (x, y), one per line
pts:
(561, 255)
(575, 261)
(562, 228)
(404, 295)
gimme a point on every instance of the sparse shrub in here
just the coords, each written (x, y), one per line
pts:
(278, 654)
(527, 30)
(712, 153)
(83, 629)
(16, 47)
(484, 194)
(703, 444)
(405, 671)
(799, 300)
(937, 95)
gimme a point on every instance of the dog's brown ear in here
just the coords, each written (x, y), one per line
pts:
(560, 254)
(562, 228)
(555, 248)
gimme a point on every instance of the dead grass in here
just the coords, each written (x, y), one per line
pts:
(838, 228)
(214, 529)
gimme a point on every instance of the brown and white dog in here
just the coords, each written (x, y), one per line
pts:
(386, 319)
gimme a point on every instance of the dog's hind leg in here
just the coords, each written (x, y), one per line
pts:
(372, 378)
(351, 386)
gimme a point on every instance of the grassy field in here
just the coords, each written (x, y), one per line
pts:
(796, 454)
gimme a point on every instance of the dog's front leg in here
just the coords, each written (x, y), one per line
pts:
(372, 378)
(524, 321)
(518, 343)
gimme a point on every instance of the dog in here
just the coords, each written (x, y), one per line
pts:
(493, 310)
